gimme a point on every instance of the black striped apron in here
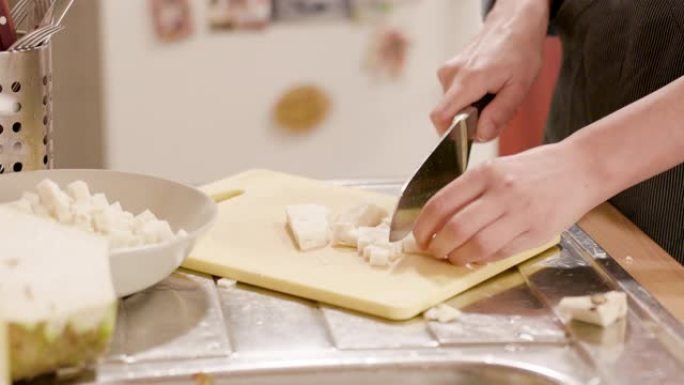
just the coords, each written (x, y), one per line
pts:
(616, 52)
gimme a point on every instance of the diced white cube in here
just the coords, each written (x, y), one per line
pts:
(365, 214)
(395, 250)
(23, 205)
(309, 225)
(129, 218)
(141, 219)
(36, 207)
(146, 216)
(164, 231)
(78, 191)
(377, 255)
(119, 239)
(135, 241)
(110, 219)
(57, 202)
(442, 313)
(156, 232)
(84, 206)
(99, 202)
(82, 217)
(147, 236)
(371, 236)
(226, 283)
(49, 192)
(33, 198)
(310, 234)
(41, 211)
(344, 234)
(600, 309)
(410, 246)
(116, 206)
(63, 214)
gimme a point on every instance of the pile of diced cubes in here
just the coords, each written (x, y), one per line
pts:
(76, 206)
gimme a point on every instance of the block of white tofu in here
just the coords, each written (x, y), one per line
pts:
(56, 294)
(343, 234)
(309, 225)
(601, 309)
(442, 313)
(365, 214)
(78, 191)
(409, 245)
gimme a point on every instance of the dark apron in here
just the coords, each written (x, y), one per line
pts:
(614, 53)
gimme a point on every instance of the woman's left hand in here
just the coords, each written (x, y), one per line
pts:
(508, 205)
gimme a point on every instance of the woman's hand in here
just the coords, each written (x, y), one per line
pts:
(504, 59)
(508, 205)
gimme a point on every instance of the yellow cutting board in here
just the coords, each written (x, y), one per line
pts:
(250, 243)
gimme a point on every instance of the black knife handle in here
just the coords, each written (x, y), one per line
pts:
(482, 103)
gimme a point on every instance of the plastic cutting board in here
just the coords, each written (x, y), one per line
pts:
(250, 243)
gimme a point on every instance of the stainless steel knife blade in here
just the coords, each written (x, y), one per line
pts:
(445, 163)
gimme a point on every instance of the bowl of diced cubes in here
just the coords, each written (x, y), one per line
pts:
(150, 224)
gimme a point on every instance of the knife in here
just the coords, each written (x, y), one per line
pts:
(446, 162)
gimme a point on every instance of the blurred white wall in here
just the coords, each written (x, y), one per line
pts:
(200, 109)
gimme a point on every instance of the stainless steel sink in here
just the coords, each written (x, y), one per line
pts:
(191, 329)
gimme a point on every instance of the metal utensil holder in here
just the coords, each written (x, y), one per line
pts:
(26, 110)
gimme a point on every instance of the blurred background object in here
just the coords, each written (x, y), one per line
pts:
(8, 33)
(172, 19)
(241, 14)
(387, 52)
(302, 108)
(200, 108)
(298, 10)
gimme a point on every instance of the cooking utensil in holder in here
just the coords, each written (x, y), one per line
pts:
(26, 109)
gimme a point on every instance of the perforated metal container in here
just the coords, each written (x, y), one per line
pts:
(26, 110)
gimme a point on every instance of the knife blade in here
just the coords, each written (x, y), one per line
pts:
(445, 163)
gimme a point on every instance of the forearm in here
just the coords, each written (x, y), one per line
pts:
(633, 144)
(533, 14)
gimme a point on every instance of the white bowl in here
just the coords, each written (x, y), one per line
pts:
(184, 207)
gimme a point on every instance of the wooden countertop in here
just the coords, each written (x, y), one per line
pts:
(649, 264)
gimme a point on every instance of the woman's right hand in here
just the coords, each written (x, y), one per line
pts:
(503, 59)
